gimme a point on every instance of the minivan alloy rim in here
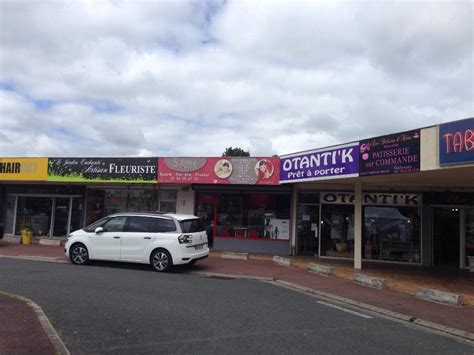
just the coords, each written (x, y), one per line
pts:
(79, 255)
(160, 260)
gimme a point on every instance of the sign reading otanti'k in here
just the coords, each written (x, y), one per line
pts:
(24, 169)
(327, 163)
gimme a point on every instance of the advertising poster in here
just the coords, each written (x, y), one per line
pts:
(456, 142)
(224, 170)
(392, 154)
(24, 169)
(328, 163)
(130, 170)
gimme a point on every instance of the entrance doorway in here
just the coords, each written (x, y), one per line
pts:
(446, 236)
(307, 229)
(207, 212)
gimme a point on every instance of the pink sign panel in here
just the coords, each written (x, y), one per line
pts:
(224, 170)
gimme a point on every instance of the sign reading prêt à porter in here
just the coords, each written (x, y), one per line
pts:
(327, 163)
(139, 170)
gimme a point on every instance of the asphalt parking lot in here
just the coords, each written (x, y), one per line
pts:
(122, 308)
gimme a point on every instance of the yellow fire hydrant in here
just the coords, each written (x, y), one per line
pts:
(26, 236)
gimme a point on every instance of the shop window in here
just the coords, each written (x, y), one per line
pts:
(168, 200)
(245, 215)
(34, 213)
(337, 231)
(104, 202)
(470, 237)
(10, 214)
(391, 233)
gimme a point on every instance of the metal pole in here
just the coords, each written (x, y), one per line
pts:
(358, 226)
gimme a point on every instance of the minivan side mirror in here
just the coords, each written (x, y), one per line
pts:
(99, 230)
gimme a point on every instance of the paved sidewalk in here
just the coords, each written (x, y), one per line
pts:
(21, 332)
(340, 285)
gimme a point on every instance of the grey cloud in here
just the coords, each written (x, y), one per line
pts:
(274, 77)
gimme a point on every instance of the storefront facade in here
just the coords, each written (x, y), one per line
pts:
(415, 198)
(401, 198)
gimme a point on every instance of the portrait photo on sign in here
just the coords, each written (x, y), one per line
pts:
(264, 169)
(223, 168)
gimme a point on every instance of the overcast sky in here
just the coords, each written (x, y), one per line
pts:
(155, 78)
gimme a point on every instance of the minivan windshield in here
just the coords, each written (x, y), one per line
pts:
(92, 227)
(191, 225)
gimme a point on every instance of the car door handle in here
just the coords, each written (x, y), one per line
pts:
(146, 237)
(116, 237)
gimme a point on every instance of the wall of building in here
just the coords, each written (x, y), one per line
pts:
(252, 246)
(429, 149)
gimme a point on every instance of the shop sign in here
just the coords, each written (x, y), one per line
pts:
(321, 164)
(456, 142)
(392, 154)
(130, 170)
(24, 169)
(369, 198)
(224, 170)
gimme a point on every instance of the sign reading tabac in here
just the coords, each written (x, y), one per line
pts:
(224, 170)
(456, 142)
(392, 154)
(23, 169)
(129, 170)
(328, 163)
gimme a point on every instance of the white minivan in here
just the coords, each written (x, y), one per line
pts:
(161, 240)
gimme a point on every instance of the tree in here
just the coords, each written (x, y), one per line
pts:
(235, 152)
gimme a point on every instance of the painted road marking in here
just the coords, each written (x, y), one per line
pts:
(344, 309)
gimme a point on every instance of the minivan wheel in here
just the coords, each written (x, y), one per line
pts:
(79, 254)
(161, 260)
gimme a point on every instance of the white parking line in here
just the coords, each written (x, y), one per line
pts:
(344, 309)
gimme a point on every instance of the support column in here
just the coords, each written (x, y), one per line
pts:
(358, 226)
(293, 214)
(462, 237)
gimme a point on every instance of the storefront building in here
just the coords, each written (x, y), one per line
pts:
(401, 198)
(239, 200)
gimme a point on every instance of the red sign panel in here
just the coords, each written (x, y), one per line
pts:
(224, 170)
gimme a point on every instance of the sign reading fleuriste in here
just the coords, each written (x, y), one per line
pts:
(224, 170)
(392, 154)
(134, 170)
(329, 163)
(456, 142)
(369, 198)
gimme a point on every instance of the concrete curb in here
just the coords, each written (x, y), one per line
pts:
(35, 258)
(233, 276)
(234, 255)
(45, 323)
(14, 240)
(429, 294)
(410, 319)
(370, 281)
(52, 242)
(321, 269)
(282, 261)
